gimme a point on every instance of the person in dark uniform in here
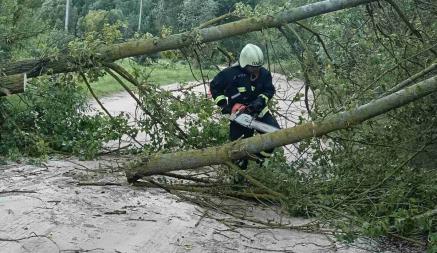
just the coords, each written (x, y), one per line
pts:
(249, 84)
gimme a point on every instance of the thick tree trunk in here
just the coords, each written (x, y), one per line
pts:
(236, 150)
(224, 31)
(64, 64)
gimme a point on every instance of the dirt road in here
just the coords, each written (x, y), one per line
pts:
(50, 212)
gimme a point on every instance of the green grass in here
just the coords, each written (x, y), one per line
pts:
(106, 86)
(160, 73)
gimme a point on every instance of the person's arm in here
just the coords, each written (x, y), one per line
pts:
(266, 93)
(268, 90)
(218, 86)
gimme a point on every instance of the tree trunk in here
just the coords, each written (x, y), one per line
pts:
(239, 149)
(64, 64)
(67, 15)
(140, 16)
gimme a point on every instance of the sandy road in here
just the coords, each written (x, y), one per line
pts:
(68, 217)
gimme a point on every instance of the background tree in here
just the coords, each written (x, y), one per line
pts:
(19, 22)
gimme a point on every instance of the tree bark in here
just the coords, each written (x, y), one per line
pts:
(111, 53)
(239, 149)
(67, 15)
(140, 15)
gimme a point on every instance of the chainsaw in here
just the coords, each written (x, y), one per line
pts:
(239, 116)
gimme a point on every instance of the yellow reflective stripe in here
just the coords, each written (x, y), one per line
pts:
(263, 112)
(265, 154)
(241, 89)
(219, 98)
(265, 97)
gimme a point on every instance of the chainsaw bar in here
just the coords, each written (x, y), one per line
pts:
(249, 121)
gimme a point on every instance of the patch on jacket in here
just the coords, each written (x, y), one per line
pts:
(242, 75)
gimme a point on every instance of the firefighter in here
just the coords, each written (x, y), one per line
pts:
(248, 86)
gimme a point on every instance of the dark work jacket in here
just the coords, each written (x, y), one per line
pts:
(234, 84)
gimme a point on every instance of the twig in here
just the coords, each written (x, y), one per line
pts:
(201, 72)
(78, 164)
(33, 235)
(126, 75)
(215, 20)
(369, 143)
(80, 250)
(413, 78)
(184, 177)
(116, 212)
(156, 119)
(410, 26)
(227, 55)
(267, 231)
(269, 250)
(94, 95)
(141, 219)
(122, 72)
(407, 239)
(398, 168)
(391, 69)
(182, 88)
(253, 180)
(114, 150)
(17, 191)
(305, 227)
(201, 218)
(189, 65)
(219, 233)
(97, 184)
(101, 105)
(125, 87)
(206, 189)
(318, 38)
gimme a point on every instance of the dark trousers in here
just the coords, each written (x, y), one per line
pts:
(238, 131)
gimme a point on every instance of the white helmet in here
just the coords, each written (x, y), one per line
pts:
(251, 55)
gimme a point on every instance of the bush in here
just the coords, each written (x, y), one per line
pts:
(54, 119)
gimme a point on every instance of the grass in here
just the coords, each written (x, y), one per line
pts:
(161, 73)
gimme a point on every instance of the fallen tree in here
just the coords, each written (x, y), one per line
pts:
(63, 64)
(192, 159)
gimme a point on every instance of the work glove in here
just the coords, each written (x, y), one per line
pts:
(225, 108)
(256, 105)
